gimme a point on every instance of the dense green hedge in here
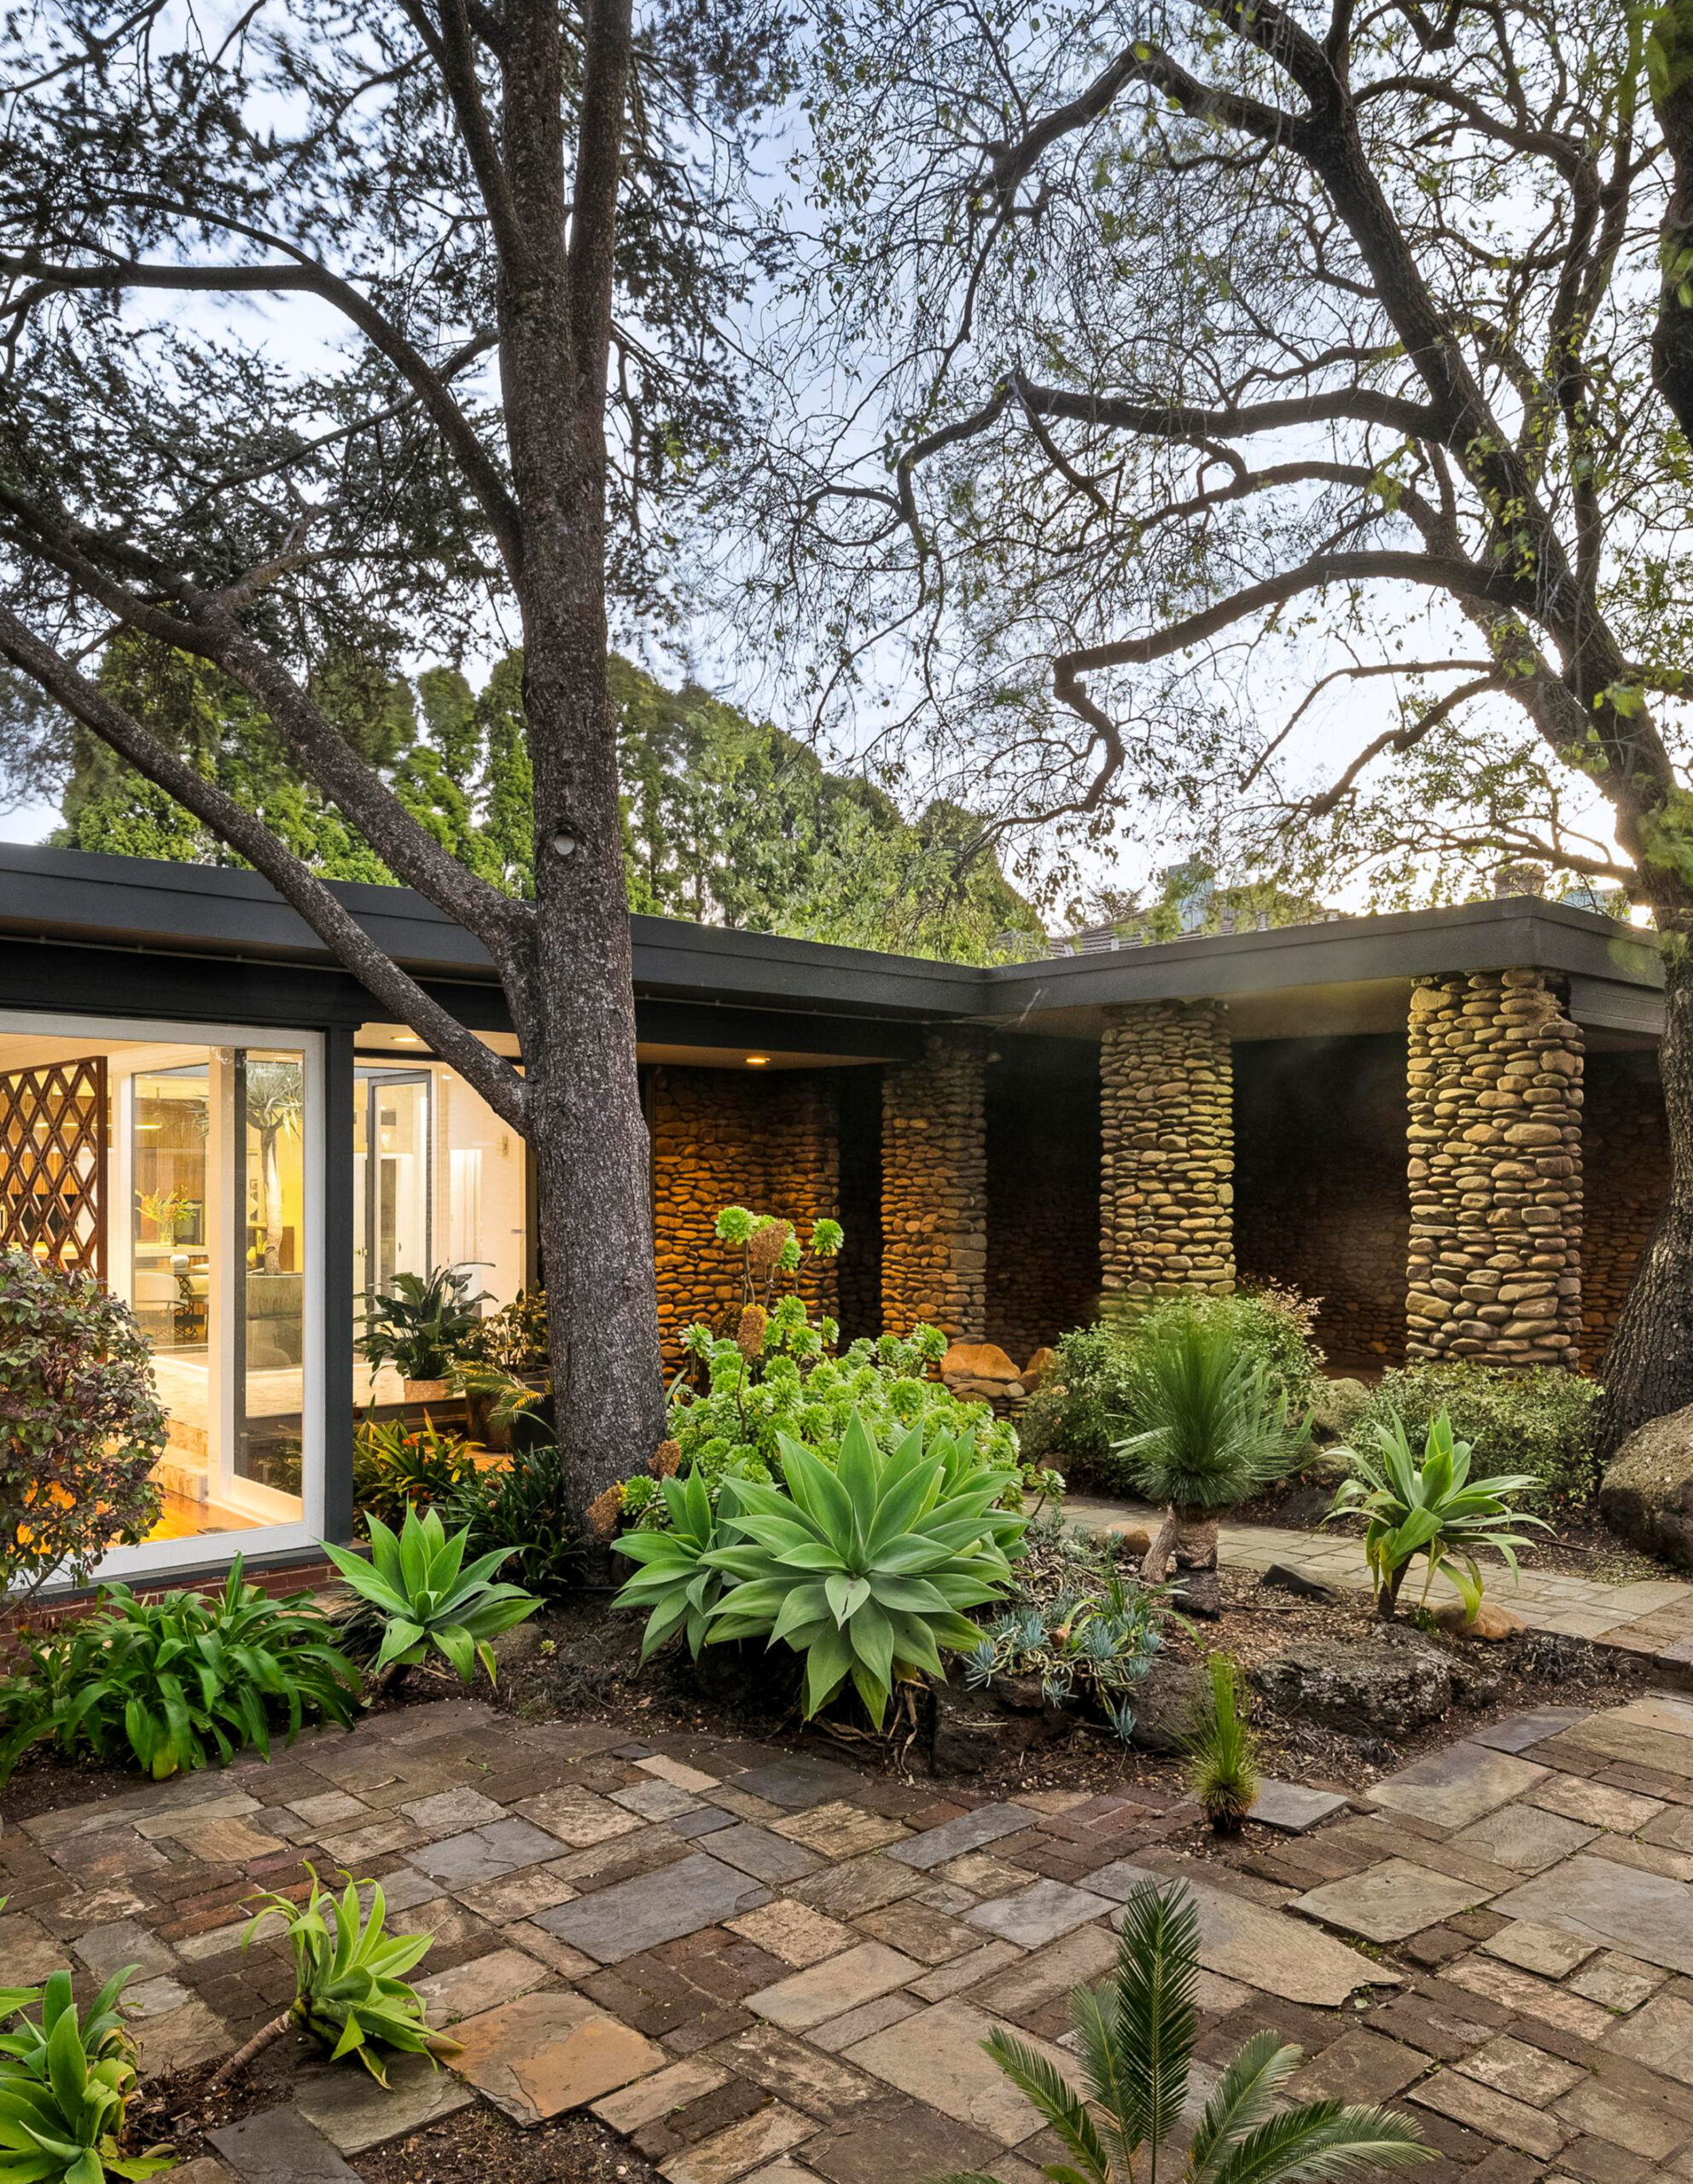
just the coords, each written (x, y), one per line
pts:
(1539, 1421)
(1083, 1404)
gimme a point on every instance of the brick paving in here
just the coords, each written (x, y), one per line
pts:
(766, 1968)
(1652, 1618)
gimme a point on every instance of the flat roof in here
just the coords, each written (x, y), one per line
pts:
(69, 897)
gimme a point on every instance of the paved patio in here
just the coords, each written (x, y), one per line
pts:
(769, 1968)
(1652, 1617)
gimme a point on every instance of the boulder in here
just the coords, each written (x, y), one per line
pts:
(1493, 1624)
(1337, 1407)
(1283, 1577)
(977, 1360)
(1164, 1703)
(1038, 1367)
(1647, 1493)
(1384, 1678)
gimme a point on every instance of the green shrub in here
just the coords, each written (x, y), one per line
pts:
(518, 1509)
(351, 1992)
(64, 2086)
(774, 1377)
(514, 1338)
(1087, 1401)
(864, 1567)
(81, 1424)
(397, 1467)
(425, 1600)
(171, 1682)
(1538, 1421)
(421, 1321)
(1430, 1505)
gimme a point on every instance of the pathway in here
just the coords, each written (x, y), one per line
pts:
(1652, 1617)
(768, 1968)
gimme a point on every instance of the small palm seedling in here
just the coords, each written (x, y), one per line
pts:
(1222, 1750)
(64, 2086)
(1433, 1508)
(1135, 2039)
(428, 1600)
(350, 1991)
(1211, 1434)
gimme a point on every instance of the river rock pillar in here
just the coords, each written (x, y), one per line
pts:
(1494, 1067)
(934, 1189)
(1167, 1152)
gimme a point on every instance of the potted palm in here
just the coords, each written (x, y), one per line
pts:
(418, 1324)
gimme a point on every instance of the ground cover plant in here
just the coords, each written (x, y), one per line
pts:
(66, 2080)
(1430, 1505)
(350, 1991)
(169, 1685)
(1135, 2037)
(423, 1598)
(864, 1569)
(81, 1425)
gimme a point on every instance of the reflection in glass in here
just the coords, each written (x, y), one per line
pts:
(270, 1314)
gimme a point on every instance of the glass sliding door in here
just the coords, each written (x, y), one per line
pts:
(205, 1211)
(393, 1177)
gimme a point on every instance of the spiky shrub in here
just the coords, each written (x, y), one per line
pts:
(1430, 1505)
(1134, 2039)
(1093, 1646)
(865, 1568)
(1210, 1433)
(81, 1424)
(1222, 1750)
(427, 1599)
(64, 2086)
(171, 1684)
(351, 1992)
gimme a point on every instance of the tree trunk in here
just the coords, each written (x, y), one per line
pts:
(1649, 1368)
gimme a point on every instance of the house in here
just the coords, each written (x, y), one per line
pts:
(1447, 1124)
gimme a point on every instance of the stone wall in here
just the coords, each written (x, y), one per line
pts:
(1043, 1192)
(1494, 1076)
(1321, 1202)
(1628, 1181)
(934, 1188)
(1167, 1151)
(859, 1271)
(729, 1137)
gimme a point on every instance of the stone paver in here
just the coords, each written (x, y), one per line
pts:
(807, 2007)
(543, 2053)
(1386, 1901)
(619, 1921)
(1292, 1809)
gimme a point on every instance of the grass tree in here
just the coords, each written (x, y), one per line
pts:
(1134, 2038)
(1208, 1434)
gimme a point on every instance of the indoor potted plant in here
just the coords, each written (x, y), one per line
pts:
(417, 1323)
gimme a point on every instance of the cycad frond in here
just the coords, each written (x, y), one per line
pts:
(1055, 2097)
(1157, 1981)
(1244, 2096)
(1321, 2141)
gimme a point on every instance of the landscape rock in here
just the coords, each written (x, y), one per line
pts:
(1386, 1678)
(1285, 1577)
(1163, 1705)
(1647, 1492)
(1493, 1624)
(1038, 1367)
(978, 1360)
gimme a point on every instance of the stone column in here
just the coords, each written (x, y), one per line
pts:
(1167, 1152)
(1495, 1086)
(934, 1189)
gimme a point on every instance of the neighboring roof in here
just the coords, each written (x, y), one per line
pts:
(73, 899)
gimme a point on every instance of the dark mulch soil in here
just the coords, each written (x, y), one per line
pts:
(478, 2146)
(475, 2146)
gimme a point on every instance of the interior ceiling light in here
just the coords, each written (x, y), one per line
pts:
(758, 1061)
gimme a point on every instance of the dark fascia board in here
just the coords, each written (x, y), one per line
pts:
(132, 903)
(1522, 932)
(69, 895)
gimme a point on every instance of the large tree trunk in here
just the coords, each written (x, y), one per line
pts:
(1649, 1368)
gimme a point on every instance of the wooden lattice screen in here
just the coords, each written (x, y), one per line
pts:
(52, 1162)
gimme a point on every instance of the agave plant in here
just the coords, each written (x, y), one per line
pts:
(429, 1601)
(1434, 1509)
(350, 1985)
(1135, 2039)
(677, 1583)
(1211, 1433)
(64, 2084)
(866, 1570)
